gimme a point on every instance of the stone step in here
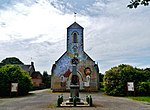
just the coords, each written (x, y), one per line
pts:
(70, 104)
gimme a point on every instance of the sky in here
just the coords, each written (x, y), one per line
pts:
(35, 30)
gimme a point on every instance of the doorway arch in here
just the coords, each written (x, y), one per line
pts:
(79, 74)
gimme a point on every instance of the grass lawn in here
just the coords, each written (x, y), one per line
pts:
(141, 98)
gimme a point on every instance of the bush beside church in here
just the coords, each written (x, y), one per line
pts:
(116, 78)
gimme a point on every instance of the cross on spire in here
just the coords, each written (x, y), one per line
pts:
(75, 16)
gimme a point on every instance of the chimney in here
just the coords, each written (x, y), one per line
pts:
(32, 63)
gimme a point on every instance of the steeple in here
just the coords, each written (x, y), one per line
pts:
(75, 38)
(75, 25)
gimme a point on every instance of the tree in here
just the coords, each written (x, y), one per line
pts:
(135, 3)
(143, 88)
(46, 79)
(143, 85)
(101, 76)
(116, 78)
(14, 74)
(11, 60)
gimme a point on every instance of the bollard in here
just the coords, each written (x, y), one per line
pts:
(58, 101)
(61, 99)
(87, 99)
(74, 101)
(90, 101)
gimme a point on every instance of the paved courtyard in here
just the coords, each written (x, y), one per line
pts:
(46, 100)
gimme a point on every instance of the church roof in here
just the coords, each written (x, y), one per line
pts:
(75, 25)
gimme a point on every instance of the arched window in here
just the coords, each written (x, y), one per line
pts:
(75, 38)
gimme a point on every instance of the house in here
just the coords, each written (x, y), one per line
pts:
(36, 79)
(36, 76)
(29, 68)
(87, 69)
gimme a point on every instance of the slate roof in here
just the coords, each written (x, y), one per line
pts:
(75, 25)
(36, 75)
(28, 68)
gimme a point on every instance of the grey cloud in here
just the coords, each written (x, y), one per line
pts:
(42, 53)
(113, 35)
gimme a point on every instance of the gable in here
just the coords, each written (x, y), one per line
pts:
(28, 68)
(61, 57)
(75, 25)
(36, 75)
(61, 65)
(88, 57)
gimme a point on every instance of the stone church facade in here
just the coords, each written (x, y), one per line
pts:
(87, 70)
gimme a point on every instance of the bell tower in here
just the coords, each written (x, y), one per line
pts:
(75, 39)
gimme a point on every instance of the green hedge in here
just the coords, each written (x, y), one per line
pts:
(143, 88)
(14, 74)
(115, 80)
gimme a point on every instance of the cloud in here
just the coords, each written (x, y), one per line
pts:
(22, 21)
(42, 53)
(119, 36)
(28, 32)
(113, 34)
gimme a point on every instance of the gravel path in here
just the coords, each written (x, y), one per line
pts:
(45, 100)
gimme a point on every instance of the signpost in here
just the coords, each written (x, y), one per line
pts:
(130, 87)
(14, 88)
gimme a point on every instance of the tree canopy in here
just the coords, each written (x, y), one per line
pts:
(136, 3)
(115, 80)
(14, 74)
(46, 79)
(12, 60)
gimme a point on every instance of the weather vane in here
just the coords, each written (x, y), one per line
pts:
(75, 16)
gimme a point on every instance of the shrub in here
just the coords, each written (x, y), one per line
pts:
(143, 88)
(115, 80)
(14, 74)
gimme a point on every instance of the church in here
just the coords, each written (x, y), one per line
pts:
(87, 70)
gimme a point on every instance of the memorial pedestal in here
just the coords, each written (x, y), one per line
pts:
(74, 92)
(74, 99)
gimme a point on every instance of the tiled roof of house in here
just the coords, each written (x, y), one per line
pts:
(36, 74)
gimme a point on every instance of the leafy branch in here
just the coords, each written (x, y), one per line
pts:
(135, 3)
